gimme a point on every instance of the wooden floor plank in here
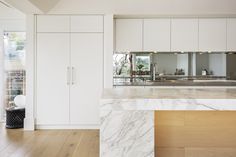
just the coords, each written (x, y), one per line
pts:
(31, 144)
(15, 140)
(48, 143)
(70, 144)
(52, 144)
(86, 145)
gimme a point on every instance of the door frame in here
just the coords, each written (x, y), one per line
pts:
(1, 75)
(29, 121)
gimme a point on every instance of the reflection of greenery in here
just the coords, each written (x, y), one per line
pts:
(121, 65)
(140, 66)
(144, 61)
(15, 48)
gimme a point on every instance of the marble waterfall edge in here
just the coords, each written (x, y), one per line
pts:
(126, 133)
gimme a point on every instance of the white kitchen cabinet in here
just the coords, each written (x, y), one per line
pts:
(212, 34)
(231, 34)
(87, 77)
(53, 23)
(52, 78)
(69, 74)
(184, 35)
(156, 35)
(129, 35)
(87, 23)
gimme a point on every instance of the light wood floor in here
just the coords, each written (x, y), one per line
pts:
(48, 143)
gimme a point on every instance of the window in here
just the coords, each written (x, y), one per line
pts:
(14, 65)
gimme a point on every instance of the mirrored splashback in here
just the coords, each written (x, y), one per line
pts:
(194, 65)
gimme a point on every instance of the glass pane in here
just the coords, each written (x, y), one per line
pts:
(175, 68)
(14, 65)
(143, 62)
(121, 65)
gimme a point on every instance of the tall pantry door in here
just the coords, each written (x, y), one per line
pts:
(87, 77)
(53, 61)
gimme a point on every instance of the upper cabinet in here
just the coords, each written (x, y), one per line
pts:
(129, 35)
(156, 35)
(212, 34)
(184, 35)
(177, 34)
(87, 23)
(231, 34)
(76, 24)
(53, 23)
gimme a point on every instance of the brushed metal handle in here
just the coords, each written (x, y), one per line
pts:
(68, 75)
(73, 75)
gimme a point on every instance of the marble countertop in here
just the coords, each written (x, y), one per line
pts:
(169, 93)
(178, 83)
(127, 115)
(169, 99)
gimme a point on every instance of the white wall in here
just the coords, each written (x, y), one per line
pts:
(143, 7)
(108, 50)
(1, 76)
(11, 19)
(10, 13)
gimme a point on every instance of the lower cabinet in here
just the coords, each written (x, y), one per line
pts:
(69, 78)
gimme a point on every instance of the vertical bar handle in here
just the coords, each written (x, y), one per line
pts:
(73, 76)
(68, 75)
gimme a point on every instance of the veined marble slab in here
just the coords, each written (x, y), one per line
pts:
(168, 99)
(169, 93)
(127, 115)
(168, 104)
(127, 134)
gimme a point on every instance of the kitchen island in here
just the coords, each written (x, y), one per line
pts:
(128, 115)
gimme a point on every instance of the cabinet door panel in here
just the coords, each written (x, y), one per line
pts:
(156, 35)
(53, 23)
(129, 35)
(87, 82)
(231, 34)
(87, 23)
(184, 35)
(52, 89)
(212, 34)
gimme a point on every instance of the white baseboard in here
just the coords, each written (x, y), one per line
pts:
(29, 124)
(64, 127)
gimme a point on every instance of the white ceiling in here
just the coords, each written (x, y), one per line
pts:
(10, 13)
(33, 6)
(25, 6)
(141, 7)
(146, 7)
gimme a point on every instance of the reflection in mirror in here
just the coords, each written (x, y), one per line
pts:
(144, 66)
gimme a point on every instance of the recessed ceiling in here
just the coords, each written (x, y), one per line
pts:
(4, 4)
(32, 6)
(44, 5)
